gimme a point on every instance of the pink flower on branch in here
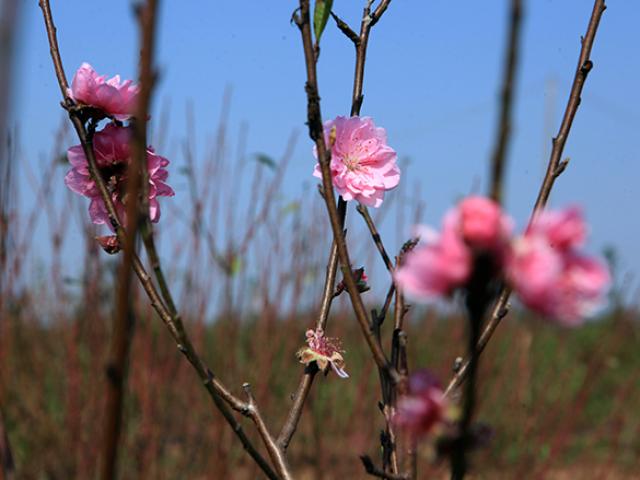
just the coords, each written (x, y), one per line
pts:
(424, 409)
(550, 276)
(442, 264)
(113, 156)
(117, 99)
(363, 166)
(543, 266)
(325, 351)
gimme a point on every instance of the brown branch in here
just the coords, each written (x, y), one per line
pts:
(314, 121)
(506, 102)
(554, 169)
(311, 55)
(374, 471)
(276, 454)
(346, 29)
(172, 320)
(137, 186)
(7, 465)
(375, 235)
(304, 386)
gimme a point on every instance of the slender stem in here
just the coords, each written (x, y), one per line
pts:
(554, 170)
(306, 381)
(304, 386)
(374, 471)
(276, 454)
(506, 97)
(375, 235)
(7, 465)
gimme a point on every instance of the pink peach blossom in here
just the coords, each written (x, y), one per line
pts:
(482, 224)
(111, 147)
(363, 166)
(424, 407)
(324, 351)
(550, 276)
(436, 268)
(115, 98)
(564, 229)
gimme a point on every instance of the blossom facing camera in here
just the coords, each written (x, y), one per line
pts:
(424, 409)
(113, 156)
(117, 99)
(325, 351)
(550, 275)
(363, 166)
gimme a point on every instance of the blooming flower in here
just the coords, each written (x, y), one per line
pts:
(324, 351)
(113, 155)
(445, 261)
(482, 224)
(543, 266)
(115, 98)
(424, 408)
(363, 166)
(550, 275)
(435, 268)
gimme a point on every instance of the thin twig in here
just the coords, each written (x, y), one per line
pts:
(374, 471)
(304, 386)
(554, 169)
(375, 235)
(276, 454)
(7, 465)
(506, 102)
(314, 121)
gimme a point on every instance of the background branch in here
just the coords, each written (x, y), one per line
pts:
(137, 187)
(554, 169)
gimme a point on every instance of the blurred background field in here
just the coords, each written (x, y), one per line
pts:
(245, 241)
(561, 403)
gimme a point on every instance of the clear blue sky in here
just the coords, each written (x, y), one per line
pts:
(431, 80)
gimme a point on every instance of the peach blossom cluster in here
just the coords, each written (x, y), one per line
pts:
(544, 265)
(114, 99)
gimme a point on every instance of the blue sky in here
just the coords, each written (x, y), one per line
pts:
(432, 79)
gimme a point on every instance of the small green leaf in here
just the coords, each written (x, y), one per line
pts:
(321, 16)
(236, 266)
(266, 160)
(290, 207)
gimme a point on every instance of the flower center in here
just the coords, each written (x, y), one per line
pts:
(351, 162)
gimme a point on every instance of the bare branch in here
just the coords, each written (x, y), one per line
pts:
(506, 101)
(374, 471)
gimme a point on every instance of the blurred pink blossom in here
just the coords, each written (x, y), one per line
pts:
(436, 268)
(115, 98)
(424, 408)
(550, 276)
(111, 147)
(563, 229)
(363, 166)
(483, 225)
